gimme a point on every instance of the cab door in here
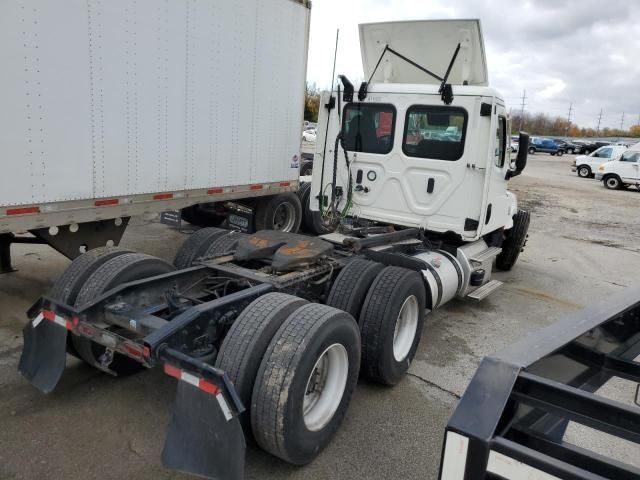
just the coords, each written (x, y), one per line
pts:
(628, 167)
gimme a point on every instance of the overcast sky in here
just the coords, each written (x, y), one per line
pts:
(585, 51)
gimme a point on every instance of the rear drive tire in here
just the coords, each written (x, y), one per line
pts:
(247, 341)
(281, 212)
(116, 271)
(224, 245)
(196, 246)
(352, 284)
(584, 171)
(613, 182)
(391, 324)
(305, 383)
(66, 288)
(516, 238)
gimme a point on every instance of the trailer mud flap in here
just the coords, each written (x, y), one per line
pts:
(203, 438)
(44, 354)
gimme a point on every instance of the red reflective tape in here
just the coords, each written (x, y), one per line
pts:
(49, 315)
(163, 196)
(23, 211)
(75, 321)
(146, 352)
(208, 387)
(68, 325)
(256, 187)
(86, 330)
(285, 184)
(106, 203)
(215, 191)
(133, 349)
(172, 371)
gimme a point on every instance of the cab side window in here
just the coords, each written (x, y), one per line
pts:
(501, 142)
(605, 153)
(435, 132)
(630, 157)
(368, 127)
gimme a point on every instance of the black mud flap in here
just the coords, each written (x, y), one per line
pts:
(44, 353)
(202, 439)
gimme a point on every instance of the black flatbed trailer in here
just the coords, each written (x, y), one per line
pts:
(512, 418)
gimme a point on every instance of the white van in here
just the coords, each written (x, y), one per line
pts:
(586, 165)
(621, 172)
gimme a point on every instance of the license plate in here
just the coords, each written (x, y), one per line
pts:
(238, 221)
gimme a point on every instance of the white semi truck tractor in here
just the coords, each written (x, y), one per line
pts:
(268, 333)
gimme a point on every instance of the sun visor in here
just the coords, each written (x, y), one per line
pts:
(429, 43)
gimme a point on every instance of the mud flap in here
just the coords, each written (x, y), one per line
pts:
(44, 353)
(202, 439)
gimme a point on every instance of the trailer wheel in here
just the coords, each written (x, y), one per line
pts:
(116, 271)
(66, 288)
(226, 244)
(514, 242)
(391, 324)
(247, 341)
(313, 222)
(352, 284)
(281, 212)
(201, 216)
(196, 246)
(305, 382)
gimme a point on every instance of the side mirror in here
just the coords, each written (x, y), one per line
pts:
(521, 159)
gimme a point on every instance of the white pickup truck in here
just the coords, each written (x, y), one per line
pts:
(621, 172)
(587, 165)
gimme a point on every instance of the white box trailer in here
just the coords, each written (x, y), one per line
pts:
(119, 108)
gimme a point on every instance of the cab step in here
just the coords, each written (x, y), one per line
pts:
(485, 290)
(487, 254)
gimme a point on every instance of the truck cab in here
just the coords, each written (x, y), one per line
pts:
(413, 159)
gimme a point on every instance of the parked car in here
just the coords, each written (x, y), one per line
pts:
(621, 173)
(545, 145)
(586, 165)
(567, 146)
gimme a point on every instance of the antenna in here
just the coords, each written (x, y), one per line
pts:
(335, 57)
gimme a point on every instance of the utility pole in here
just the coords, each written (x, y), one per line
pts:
(599, 120)
(622, 122)
(524, 97)
(569, 118)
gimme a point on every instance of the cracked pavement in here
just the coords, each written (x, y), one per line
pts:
(582, 246)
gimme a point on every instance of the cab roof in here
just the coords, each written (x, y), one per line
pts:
(431, 44)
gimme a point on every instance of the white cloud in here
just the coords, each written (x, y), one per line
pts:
(560, 51)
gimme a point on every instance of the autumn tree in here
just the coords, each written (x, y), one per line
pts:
(311, 103)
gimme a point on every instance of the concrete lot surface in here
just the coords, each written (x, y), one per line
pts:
(583, 246)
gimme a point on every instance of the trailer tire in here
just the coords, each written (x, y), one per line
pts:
(281, 212)
(313, 222)
(196, 215)
(116, 271)
(391, 323)
(352, 284)
(247, 341)
(196, 246)
(513, 244)
(226, 244)
(67, 286)
(279, 421)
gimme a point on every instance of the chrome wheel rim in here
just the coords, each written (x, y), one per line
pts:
(284, 217)
(406, 328)
(325, 387)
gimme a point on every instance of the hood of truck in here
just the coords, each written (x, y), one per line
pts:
(429, 43)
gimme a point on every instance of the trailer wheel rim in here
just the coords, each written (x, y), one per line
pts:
(406, 328)
(325, 387)
(284, 217)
